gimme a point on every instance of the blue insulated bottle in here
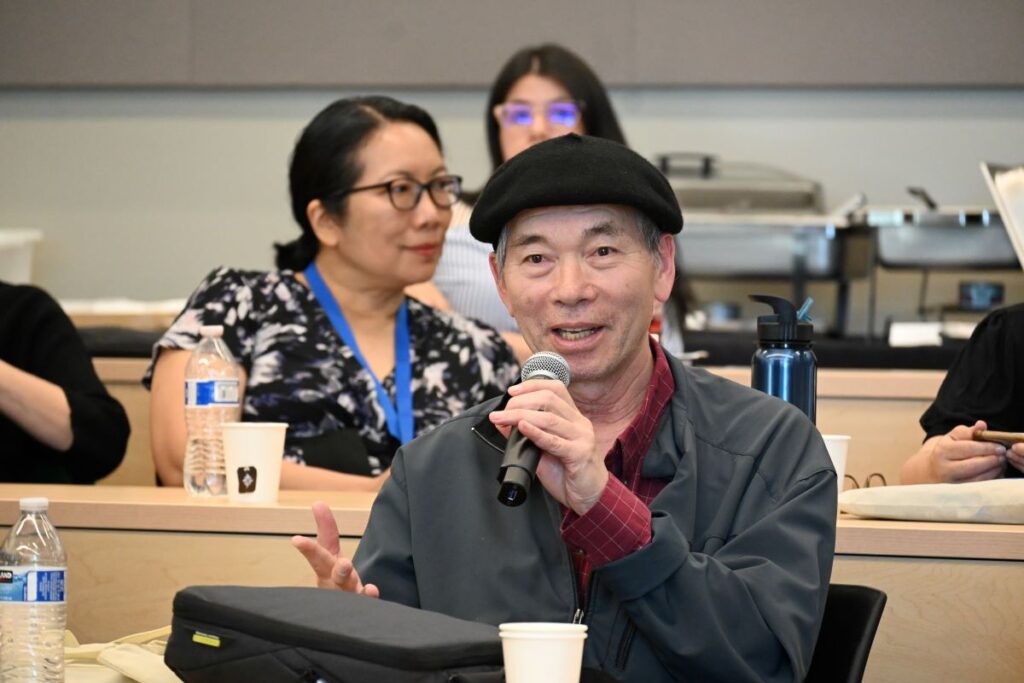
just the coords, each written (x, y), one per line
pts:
(784, 364)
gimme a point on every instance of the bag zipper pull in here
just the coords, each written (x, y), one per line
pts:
(578, 617)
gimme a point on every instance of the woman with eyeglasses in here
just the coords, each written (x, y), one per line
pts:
(540, 93)
(328, 342)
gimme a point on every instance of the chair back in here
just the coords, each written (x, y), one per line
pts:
(851, 618)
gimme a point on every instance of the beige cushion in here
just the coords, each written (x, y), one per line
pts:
(1000, 501)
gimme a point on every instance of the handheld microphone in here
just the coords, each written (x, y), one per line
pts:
(521, 455)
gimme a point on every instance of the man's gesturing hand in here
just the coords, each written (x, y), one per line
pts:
(333, 570)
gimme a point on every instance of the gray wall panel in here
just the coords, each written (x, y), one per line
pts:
(399, 43)
(396, 43)
(98, 42)
(830, 42)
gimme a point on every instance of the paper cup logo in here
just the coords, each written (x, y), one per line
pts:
(246, 479)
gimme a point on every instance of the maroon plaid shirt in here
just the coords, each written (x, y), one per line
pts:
(620, 521)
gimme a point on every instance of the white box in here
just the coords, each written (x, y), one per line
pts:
(16, 245)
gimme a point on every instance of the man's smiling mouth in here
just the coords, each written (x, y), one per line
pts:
(575, 333)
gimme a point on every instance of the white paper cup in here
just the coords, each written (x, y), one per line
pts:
(837, 446)
(252, 455)
(540, 652)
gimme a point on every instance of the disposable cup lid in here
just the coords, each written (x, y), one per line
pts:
(541, 627)
(566, 636)
(34, 504)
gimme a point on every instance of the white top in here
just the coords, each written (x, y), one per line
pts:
(464, 276)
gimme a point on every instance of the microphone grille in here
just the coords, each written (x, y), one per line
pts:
(546, 365)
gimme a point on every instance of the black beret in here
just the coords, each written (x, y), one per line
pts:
(574, 170)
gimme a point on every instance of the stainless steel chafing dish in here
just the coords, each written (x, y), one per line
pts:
(793, 247)
(751, 220)
(933, 236)
(949, 237)
(702, 183)
(761, 245)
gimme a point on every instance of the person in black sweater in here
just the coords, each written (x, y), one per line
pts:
(984, 389)
(58, 424)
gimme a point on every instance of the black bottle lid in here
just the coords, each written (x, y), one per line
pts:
(787, 325)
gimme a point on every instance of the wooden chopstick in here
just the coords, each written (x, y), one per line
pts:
(1004, 437)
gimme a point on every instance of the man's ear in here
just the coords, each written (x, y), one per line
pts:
(325, 224)
(499, 281)
(666, 275)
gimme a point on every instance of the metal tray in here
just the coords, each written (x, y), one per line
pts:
(949, 238)
(702, 182)
(770, 245)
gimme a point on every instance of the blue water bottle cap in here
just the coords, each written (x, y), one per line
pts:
(786, 325)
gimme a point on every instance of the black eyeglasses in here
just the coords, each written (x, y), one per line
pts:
(405, 193)
(562, 113)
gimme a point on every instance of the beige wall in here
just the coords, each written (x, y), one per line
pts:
(140, 193)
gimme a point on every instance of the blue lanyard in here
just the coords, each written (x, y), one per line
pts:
(400, 420)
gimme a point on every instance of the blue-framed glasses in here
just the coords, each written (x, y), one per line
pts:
(405, 193)
(562, 113)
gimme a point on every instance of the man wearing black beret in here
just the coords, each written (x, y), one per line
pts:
(687, 520)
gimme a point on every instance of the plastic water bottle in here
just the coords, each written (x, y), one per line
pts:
(33, 611)
(211, 399)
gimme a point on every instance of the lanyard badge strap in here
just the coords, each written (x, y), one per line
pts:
(399, 417)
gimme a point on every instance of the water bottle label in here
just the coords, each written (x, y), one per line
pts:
(35, 584)
(212, 393)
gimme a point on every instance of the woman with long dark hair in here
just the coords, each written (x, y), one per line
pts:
(328, 342)
(540, 93)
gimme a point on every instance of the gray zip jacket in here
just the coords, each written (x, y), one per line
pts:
(731, 587)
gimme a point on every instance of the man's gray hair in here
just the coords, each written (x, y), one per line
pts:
(650, 234)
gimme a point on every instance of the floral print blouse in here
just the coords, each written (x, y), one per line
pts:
(299, 370)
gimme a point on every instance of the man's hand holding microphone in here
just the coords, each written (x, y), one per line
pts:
(547, 436)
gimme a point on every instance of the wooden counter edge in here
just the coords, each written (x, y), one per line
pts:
(858, 383)
(170, 509)
(891, 538)
(832, 383)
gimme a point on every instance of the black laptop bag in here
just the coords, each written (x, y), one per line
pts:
(234, 633)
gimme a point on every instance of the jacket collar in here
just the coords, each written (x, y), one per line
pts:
(487, 432)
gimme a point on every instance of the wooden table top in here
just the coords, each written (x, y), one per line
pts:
(857, 536)
(153, 508)
(150, 508)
